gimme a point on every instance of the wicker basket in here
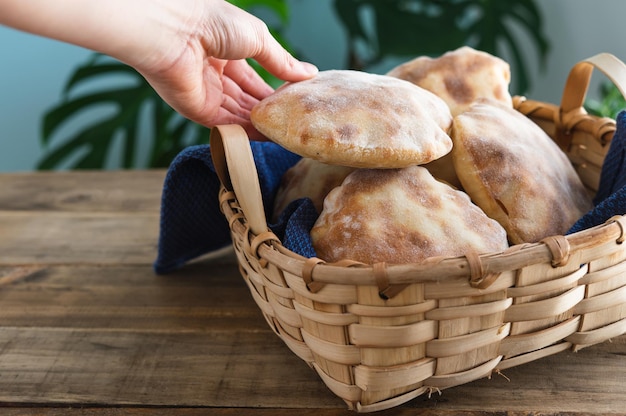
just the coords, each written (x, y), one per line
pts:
(381, 335)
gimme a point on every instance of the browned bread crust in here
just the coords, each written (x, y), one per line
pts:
(356, 119)
(401, 216)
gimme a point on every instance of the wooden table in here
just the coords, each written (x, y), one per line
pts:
(87, 328)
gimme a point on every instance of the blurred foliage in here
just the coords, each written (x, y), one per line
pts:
(141, 131)
(407, 28)
(136, 108)
(610, 101)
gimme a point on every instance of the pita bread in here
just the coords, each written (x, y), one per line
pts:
(401, 216)
(443, 170)
(308, 179)
(514, 171)
(460, 77)
(356, 119)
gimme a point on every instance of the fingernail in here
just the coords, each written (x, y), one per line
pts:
(309, 68)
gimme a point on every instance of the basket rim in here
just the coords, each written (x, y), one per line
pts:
(475, 268)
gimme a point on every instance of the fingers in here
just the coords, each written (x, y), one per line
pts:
(251, 38)
(248, 79)
(237, 97)
(281, 63)
(237, 105)
(241, 89)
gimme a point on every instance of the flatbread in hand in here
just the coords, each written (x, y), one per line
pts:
(459, 77)
(401, 216)
(516, 173)
(356, 119)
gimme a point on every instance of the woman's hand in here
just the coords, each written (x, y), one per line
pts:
(202, 72)
(191, 51)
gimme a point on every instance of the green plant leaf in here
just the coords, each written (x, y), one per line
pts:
(348, 13)
(97, 67)
(424, 24)
(610, 101)
(125, 99)
(409, 28)
(279, 7)
(94, 140)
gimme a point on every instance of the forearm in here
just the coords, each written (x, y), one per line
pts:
(123, 29)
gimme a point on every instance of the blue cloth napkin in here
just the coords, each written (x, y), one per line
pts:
(192, 224)
(610, 199)
(191, 221)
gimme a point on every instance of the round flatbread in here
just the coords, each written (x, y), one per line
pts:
(516, 173)
(356, 119)
(460, 77)
(401, 216)
(308, 179)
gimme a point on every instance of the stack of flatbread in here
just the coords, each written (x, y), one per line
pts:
(428, 160)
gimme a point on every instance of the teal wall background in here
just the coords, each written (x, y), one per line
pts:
(33, 70)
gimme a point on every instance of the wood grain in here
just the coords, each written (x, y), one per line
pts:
(204, 411)
(87, 328)
(77, 237)
(84, 191)
(79, 217)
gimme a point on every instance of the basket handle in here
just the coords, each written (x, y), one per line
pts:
(577, 82)
(234, 165)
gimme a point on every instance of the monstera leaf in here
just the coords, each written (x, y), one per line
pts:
(407, 28)
(136, 109)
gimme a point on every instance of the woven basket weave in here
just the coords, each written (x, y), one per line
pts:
(381, 335)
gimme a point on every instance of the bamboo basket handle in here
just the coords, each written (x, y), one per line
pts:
(234, 164)
(577, 82)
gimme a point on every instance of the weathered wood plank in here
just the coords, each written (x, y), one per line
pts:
(78, 237)
(213, 411)
(89, 191)
(90, 366)
(200, 298)
(90, 217)
(80, 217)
(253, 369)
(121, 335)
